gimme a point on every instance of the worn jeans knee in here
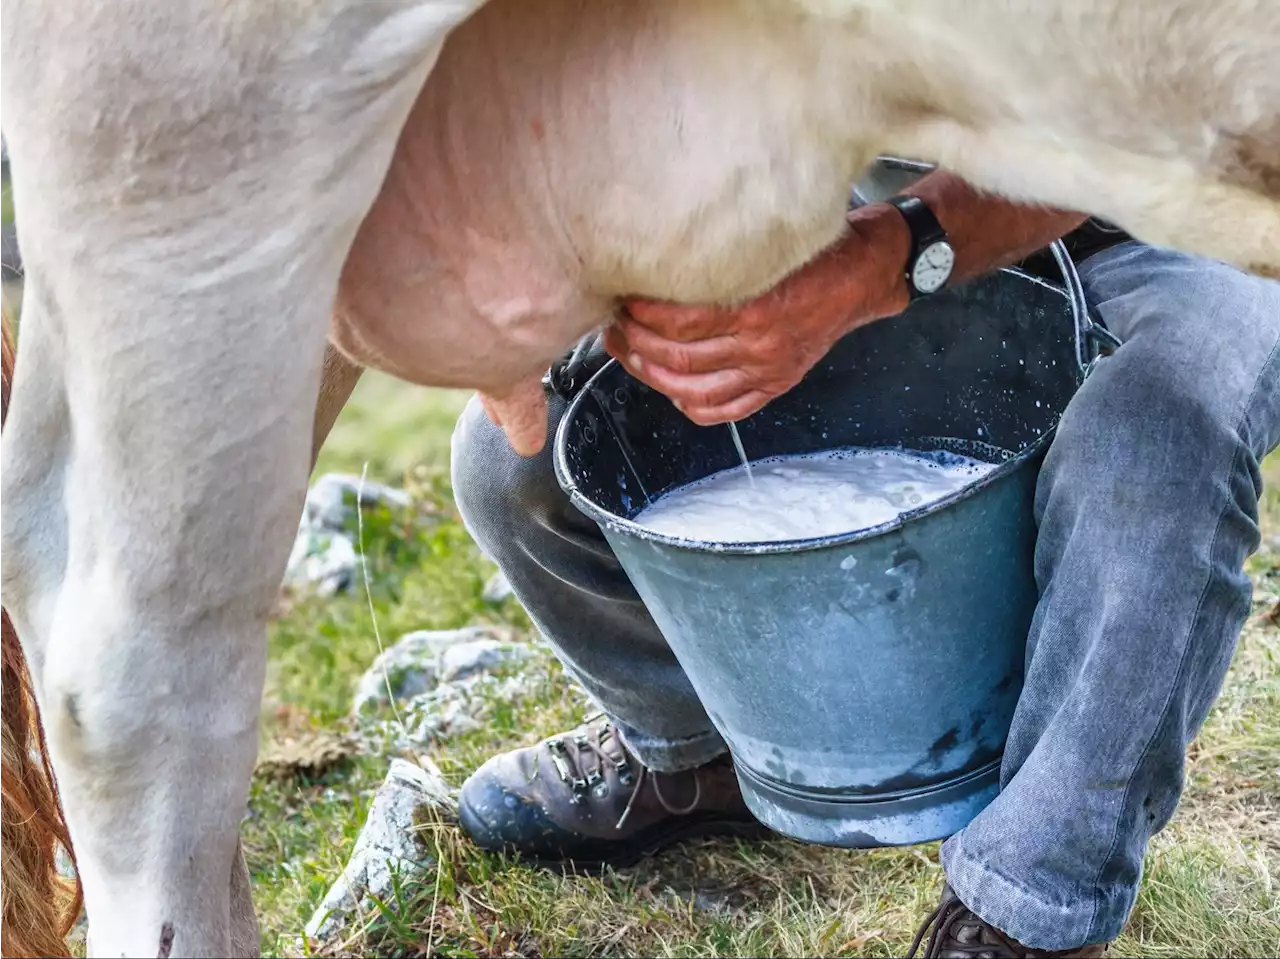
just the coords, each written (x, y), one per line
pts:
(562, 570)
(1147, 505)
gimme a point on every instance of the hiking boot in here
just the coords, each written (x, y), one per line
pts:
(959, 934)
(584, 798)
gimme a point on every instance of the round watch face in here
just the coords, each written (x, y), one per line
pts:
(933, 267)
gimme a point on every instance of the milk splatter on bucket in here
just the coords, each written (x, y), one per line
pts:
(806, 497)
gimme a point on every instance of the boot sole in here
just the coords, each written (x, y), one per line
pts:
(643, 845)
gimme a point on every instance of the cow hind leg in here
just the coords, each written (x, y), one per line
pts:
(1162, 202)
(184, 229)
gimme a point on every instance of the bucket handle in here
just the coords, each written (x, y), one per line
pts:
(1093, 339)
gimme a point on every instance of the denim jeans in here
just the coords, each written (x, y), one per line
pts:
(1147, 508)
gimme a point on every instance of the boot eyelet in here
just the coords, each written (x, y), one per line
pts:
(561, 767)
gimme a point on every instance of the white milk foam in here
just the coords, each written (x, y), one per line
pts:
(802, 497)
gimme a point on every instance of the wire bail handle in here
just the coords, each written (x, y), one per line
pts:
(1093, 339)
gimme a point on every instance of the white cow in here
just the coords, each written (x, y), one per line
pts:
(208, 190)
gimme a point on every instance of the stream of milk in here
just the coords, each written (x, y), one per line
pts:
(802, 497)
(742, 453)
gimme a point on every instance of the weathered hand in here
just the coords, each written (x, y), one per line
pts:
(719, 364)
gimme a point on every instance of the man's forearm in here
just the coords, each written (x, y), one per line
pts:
(986, 232)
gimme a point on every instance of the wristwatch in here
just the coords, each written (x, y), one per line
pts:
(932, 258)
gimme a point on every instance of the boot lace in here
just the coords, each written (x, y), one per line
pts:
(956, 929)
(580, 761)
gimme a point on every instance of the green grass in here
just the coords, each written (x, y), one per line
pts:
(1212, 883)
(394, 427)
(6, 202)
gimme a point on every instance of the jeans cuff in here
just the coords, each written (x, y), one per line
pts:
(664, 755)
(1015, 911)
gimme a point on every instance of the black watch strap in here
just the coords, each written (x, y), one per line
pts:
(925, 230)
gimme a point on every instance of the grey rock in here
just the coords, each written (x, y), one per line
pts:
(331, 501)
(421, 660)
(323, 561)
(497, 589)
(324, 557)
(386, 848)
(478, 656)
(448, 710)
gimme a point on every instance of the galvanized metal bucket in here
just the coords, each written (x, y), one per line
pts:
(865, 682)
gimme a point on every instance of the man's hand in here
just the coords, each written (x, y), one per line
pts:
(719, 364)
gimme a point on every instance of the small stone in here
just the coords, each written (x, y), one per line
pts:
(417, 663)
(324, 558)
(478, 656)
(455, 720)
(387, 846)
(331, 501)
(450, 709)
(322, 561)
(497, 589)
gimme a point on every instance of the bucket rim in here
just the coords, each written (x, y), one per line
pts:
(619, 524)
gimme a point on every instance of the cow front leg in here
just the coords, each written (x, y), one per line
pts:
(153, 480)
(338, 379)
(184, 228)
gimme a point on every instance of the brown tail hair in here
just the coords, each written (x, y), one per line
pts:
(37, 906)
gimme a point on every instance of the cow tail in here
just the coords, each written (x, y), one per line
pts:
(38, 906)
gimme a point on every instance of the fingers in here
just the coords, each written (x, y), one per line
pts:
(698, 390)
(680, 322)
(522, 415)
(712, 381)
(736, 409)
(631, 342)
